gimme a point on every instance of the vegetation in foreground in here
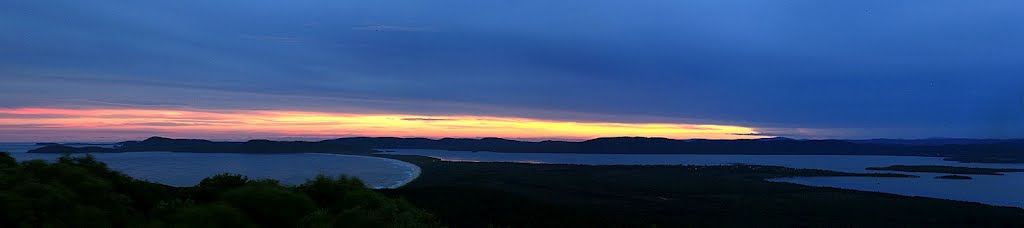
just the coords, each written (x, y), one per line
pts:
(467, 194)
(945, 169)
(82, 192)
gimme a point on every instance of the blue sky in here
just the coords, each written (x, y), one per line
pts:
(815, 69)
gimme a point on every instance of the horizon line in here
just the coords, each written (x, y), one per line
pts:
(503, 138)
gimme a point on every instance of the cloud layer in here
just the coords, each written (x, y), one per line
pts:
(799, 68)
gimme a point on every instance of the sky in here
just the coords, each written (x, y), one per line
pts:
(722, 69)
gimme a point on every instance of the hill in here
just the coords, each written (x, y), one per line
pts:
(1004, 151)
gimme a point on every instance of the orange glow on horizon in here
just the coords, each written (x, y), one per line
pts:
(301, 124)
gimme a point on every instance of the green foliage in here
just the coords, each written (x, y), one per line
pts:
(209, 188)
(319, 218)
(74, 191)
(209, 215)
(83, 192)
(358, 206)
(323, 190)
(6, 161)
(270, 205)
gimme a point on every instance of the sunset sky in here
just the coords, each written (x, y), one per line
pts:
(233, 70)
(128, 123)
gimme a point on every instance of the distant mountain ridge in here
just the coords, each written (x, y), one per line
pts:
(207, 146)
(934, 141)
(644, 145)
(991, 151)
(1001, 151)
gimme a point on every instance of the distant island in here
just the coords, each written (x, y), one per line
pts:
(71, 144)
(945, 169)
(990, 151)
(954, 177)
(206, 146)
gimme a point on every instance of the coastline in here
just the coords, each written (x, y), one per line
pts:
(410, 176)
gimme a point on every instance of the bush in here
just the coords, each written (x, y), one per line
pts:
(270, 205)
(359, 206)
(83, 192)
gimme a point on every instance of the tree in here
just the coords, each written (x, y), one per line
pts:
(83, 192)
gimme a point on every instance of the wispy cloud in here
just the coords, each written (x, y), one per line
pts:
(164, 124)
(426, 119)
(277, 39)
(393, 28)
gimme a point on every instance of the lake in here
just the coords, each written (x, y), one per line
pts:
(1003, 190)
(187, 169)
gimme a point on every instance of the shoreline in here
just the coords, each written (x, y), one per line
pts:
(413, 171)
(410, 176)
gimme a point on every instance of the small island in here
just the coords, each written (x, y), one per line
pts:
(945, 169)
(954, 177)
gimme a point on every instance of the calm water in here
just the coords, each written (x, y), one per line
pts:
(1006, 190)
(187, 169)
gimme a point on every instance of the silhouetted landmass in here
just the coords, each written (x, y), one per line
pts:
(1004, 151)
(945, 169)
(62, 149)
(628, 145)
(994, 156)
(954, 177)
(479, 194)
(72, 144)
(82, 192)
(873, 175)
(932, 141)
(206, 146)
(1008, 151)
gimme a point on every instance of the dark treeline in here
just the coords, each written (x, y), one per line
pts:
(946, 169)
(1008, 151)
(82, 192)
(1001, 151)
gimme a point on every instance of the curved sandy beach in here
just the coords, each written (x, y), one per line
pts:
(410, 176)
